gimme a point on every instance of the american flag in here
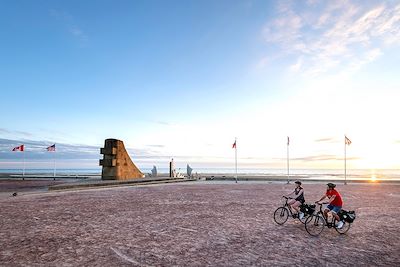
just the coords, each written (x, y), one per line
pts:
(18, 148)
(347, 141)
(51, 148)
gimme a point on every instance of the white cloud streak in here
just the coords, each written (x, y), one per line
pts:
(338, 36)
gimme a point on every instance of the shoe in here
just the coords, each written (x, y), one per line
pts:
(301, 215)
(339, 225)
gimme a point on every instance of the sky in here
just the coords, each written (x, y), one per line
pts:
(183, 79)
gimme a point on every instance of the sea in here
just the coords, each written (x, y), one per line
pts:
(322, 174)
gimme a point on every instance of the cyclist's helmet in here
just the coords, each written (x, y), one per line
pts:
(330, 185)
(298, 182)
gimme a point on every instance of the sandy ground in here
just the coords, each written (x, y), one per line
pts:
(194, 224)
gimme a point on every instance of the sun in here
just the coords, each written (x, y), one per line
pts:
(373, 178)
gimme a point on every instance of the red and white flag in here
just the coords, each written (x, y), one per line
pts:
(18, 148)
(51, 148)
(347, 141)
(234, 145)
(288, 140)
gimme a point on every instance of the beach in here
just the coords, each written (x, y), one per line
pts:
(206, 223)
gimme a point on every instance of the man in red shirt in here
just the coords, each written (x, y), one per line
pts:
(335, 203)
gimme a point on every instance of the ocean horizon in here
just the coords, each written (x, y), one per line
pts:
(378, 174)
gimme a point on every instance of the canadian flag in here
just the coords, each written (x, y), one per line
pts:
(18, 148)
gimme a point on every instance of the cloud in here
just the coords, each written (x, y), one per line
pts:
(297, 66)
(157, 146)
(333, 35)
(70, 24)
(37, 150)
(323, 157)
(20, 133)
(327, 140)
(368, 57)
(74, 30)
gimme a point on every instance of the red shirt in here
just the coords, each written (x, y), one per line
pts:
(338, 198)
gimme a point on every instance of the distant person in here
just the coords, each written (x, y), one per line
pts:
(335, 203)
(297, 199)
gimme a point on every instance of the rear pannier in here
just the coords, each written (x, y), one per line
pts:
(307, 208)
(347, 216)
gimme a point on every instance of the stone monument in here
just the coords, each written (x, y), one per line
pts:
(117, 165)
(172, 170)
(154, 171)
(189, 171)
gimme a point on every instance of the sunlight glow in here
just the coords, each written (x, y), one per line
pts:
(373, 178)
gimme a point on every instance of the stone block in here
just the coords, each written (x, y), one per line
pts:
(108, 151)
(108, 162)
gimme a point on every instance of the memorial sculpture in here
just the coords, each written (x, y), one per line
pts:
(172, 170)
(154, 171)
(116, 162)
(189, 170)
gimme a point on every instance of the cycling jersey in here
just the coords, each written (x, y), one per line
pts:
(338, 198)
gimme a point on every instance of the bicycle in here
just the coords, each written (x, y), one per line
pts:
(281, 214)
(316, 223)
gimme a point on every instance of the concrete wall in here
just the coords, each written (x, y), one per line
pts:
(117, 165)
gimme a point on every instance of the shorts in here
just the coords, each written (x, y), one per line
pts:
(334, 209)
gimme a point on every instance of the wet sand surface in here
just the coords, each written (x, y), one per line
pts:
(194, 224)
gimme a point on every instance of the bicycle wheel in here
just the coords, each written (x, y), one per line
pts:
(315, 224)
(344, 229)
(281, 215)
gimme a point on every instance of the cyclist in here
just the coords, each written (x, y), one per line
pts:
(297, 200)
(335, 203)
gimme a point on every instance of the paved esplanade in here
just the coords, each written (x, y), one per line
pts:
(193, 224)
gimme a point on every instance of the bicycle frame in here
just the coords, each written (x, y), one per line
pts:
(326, 222)
(289, 207)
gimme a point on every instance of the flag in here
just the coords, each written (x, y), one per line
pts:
(18, 148)
(288, 140)
(234, 145)
(51, 148)
(347, 141)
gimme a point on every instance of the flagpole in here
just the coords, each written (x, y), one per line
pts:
(236, 176)
(345, 159)
(54, 171)
(23, 168)
(287, 161)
